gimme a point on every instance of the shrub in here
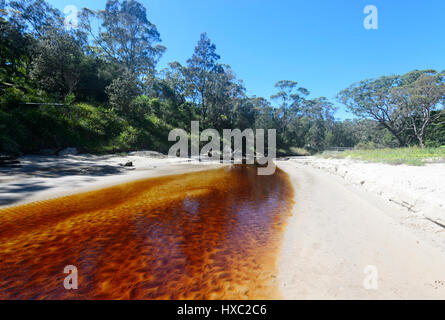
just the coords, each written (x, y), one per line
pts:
(122, 91)
(128, 138)
(370, 145)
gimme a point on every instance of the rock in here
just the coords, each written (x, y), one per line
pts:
(68, 151)
(148, 153)
(128, 164)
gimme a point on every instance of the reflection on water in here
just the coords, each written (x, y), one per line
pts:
(206, 235)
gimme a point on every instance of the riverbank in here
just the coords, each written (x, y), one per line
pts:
(40, 178)
(340, 229)
(418, 189)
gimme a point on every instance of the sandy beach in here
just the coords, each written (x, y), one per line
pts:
(340, 228)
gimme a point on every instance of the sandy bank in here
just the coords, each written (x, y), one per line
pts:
(340, 225)
(339, 231)
(44, 177)
(420, 190)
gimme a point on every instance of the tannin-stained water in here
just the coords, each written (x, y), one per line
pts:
(205, 235)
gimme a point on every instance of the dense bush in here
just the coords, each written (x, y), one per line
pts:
(27, 129)
(114, 99)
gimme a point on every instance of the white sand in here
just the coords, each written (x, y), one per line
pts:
(421, 189)
(339, 228)
(45, 177)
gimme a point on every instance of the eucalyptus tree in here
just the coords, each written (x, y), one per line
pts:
(213, 86)
(171, 83)
(55, 67)
(373, 99)
(319, 113)
(264, 117)
(201, 72)
(226, 95)
(290, 99)
(15, 53)
(34, 16)
(40, 50)
(435, 135)
(124, 35)
(421, 101)
(169, 87)
(286, 89)
(403, 104)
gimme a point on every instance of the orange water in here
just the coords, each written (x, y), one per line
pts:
(206, 235)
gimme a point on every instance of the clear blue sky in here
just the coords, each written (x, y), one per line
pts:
(321, 44)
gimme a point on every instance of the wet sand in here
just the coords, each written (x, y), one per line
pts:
(211, 234)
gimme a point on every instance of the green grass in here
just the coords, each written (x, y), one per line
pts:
(412, 156)
(293, 151)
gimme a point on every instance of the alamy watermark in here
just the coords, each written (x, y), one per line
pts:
(371, 21)
(71, 280)
(71, 17)
(254, 151)
(371, 280)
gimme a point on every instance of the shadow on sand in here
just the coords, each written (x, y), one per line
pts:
(41, 167)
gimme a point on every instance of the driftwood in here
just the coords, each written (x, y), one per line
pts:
(435, 222)
(405, 204)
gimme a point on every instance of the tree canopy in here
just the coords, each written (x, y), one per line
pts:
(104, 74)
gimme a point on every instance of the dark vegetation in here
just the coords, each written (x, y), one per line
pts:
(96, 87)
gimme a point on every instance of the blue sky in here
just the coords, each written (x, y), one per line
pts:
(321, 44)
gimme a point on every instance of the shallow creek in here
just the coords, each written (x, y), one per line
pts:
(205, 235)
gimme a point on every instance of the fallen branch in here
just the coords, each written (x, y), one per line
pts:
(405, 205)
(435, 222)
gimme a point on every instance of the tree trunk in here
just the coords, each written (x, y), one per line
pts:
(398, 136)
(421, 143)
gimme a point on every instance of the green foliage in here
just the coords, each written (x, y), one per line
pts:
(14, 54)
(12, 97)
(70, 98)
(89, 128)
(211, 85)
(94, 76)
(435, 136)
(55, 64)
(114, 100)
(122, 91)
(125, 35)
(369, 145)
(403, 104)
(127, 137)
